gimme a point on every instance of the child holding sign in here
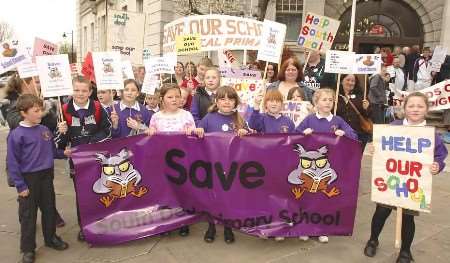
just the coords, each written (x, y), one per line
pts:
(223, 117)
(324, 121)
(129, 117)
(272, 121)
(416, 108)
(204, 96)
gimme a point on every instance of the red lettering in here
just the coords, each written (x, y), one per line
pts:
(391, 165)
(379, 182)
(447, 87)
(412, 185)
(442, 101)
(252, 87)
(305, 30)
(415, 168)
(437, 92)
(309, 19)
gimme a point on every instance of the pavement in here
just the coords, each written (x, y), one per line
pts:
(431, 243)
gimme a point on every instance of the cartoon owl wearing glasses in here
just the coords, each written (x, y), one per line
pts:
(118, 178)
(313, 174)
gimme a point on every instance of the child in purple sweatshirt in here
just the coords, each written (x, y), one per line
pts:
(416, 108)
(129, 117)
(31, 151)
(272, 121)
(324, 121)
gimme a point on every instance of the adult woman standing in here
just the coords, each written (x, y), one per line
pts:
(272, 72)
(291, 76)
(351, 104)
(179, 73)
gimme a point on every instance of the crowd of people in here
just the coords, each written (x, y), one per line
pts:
(193, 102)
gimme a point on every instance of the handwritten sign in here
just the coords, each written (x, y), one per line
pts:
(43, 47)
(318, 32)
(27, 70)
(150, 84)
(188, 44)
(401, 166)
(54, 75)
(339, 62)
(160, 65)
(272, 41)
(296, 110)
(108, 70)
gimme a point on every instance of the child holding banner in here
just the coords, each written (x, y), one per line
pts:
(223, 117)
(85, 122)
(416, 108)
(272, 121)
(30, 163)
(324, 121)
(129, 117)
(204, 96)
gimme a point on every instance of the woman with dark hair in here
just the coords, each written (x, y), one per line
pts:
(272, 72)
(351, 103)
(179, 73)
(290, 76)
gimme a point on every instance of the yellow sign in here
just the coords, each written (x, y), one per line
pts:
(188, 44)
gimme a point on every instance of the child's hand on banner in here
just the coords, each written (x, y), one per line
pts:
(24, 193)
(308, 131)
(434, 168)
(199, 132)
(242, 132)
(62, 127)
(132, 123)
(68, 152)
(150, 131)
(339, 132)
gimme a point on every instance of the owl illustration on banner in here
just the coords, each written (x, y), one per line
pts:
(313, 174)
(118, 178)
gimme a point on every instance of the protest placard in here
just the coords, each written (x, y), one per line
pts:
(339, 62)
(217, 32)
(367, 64)
(188, 44)
(226, 59)
(125, 32)
(318, 32)
(54, 75)
(27, 70)
(43, 47)
(438, 96)
(272, 41)
(160, 65)
(146, 54)
(127, 70)
(296, 110)
(401, 163)
(108, 70)
(11, 63)
(150, 84)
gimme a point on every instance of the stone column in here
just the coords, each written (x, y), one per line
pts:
(445, 31)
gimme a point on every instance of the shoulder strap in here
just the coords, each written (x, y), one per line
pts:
(354, 107)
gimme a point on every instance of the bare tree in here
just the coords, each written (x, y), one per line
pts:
(6, 31)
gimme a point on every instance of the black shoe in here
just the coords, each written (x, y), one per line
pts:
(57, 243)
(210, 234)
(81, 236)
(228, 235)
(28, 257)
(404, 257)
(184, 231)
(371, 248)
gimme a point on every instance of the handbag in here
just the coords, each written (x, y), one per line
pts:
(365, 123)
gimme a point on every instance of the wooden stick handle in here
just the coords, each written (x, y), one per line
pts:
(265, 71)
(60, 115)
(398, 228)
(306, 61)
(365, 87)
(337, 93)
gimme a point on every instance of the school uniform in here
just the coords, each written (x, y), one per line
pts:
(30, 165)
(137, 112)
(203, 99)
(266, 123)
(327, 124)
(218, 122)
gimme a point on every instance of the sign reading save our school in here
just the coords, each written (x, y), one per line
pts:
(217, 32)
(318, 32)
(140, 186)
(401, 163)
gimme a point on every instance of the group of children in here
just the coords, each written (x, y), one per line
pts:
(213, 109)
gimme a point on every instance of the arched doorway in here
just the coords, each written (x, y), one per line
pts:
(381, 23)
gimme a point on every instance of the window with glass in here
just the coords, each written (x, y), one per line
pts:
(290, 12)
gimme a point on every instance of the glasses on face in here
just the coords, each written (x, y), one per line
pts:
(110, 169)
(291, 70)
(306, 162)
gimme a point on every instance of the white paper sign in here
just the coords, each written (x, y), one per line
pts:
(339, 62)
(160, 65)
(10, 63)
(367, 64)
(272, 41)
(127, 70)
(150, 84)
(54, 75)
(108, 70)
(401, 164)
(27, 70)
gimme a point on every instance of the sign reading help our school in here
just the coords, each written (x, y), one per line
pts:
(125, 32)
(367, 64)
(108, 70)
(401, 163)
(318, 32)
(54, 75)
(272, 41)
(339, 62)
(188, 44)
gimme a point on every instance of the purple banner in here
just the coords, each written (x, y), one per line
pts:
(262, 185)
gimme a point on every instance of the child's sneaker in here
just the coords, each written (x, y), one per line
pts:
(303, 238)
(279, 239)
(323, 239)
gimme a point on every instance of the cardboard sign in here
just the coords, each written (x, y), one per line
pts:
(296, 110)
(339, 62)
(188, 44)
(54, 75)
(367, 64)
(27, 70)
(272, 41)
(318, 32)
(438, 96)
(127, 70)
(108, 70)
(217, 32)
(160, 65)
(125, 32)
(401, 163)
(150, 84)
(43, 47)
